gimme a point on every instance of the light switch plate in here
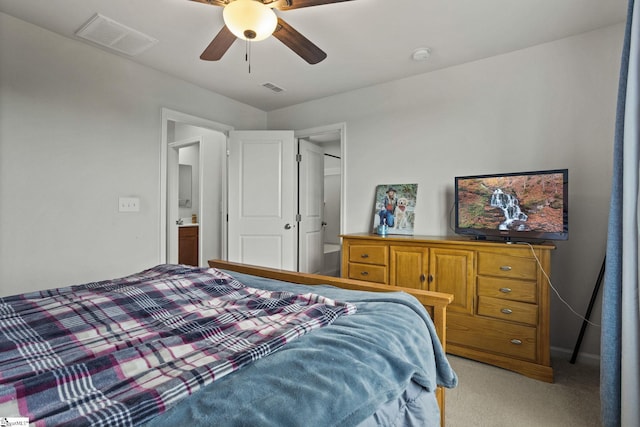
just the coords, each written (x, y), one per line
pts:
(129, 204)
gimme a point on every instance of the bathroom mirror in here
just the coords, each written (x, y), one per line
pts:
(185, 178)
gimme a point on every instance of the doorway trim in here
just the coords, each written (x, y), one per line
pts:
(341, 128)
(169, 115)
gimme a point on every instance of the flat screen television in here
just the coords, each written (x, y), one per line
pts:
(513, 206)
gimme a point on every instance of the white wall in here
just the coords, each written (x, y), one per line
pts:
(80, 127)
(549, 106)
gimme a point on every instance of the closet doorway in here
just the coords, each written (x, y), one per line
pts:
(331, 139)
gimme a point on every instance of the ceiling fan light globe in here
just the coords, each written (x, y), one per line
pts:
(246, 18)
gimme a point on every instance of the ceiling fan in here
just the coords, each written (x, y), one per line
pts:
(254, 20)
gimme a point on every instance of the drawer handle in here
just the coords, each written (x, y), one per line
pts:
(505, 267)
(364, 256)
(516, 341)
(364, 273)
(505, 290)
(506, 311)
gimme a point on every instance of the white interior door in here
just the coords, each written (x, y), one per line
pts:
(310, 204)
(262, 199)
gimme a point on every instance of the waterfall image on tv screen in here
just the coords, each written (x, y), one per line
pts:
(520, 203)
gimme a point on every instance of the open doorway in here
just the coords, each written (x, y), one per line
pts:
(189, 223)
(332, 140)
(201, 144)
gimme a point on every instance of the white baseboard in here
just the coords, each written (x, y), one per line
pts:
(585, 358)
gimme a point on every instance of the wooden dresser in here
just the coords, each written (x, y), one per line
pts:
(500, 312)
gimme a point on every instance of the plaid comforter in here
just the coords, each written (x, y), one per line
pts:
(120, 352)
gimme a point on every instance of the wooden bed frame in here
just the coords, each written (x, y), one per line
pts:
(435, 302)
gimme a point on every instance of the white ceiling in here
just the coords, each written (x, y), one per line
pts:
(367, 41)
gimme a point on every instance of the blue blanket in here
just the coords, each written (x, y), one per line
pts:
(334, 376)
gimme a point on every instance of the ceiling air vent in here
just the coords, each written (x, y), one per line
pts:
(272, 87)
(113, 35)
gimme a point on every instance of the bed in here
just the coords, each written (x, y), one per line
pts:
(156, 348)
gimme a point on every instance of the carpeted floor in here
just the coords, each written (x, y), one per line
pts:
(494, 397)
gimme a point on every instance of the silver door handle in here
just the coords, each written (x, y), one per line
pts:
(287, 226)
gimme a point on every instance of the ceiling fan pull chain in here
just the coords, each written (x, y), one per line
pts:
(247, 53)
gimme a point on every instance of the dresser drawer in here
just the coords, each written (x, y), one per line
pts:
(369, 273)
(511, 289)
(513, 267)
(369, 254)
(494, 336)
(514, 311)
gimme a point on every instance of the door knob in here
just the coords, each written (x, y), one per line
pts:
(287, 226)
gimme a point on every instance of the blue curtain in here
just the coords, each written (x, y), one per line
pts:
(620, 334)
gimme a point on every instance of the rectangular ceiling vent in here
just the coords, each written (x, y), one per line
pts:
(272, 87)
(113, 35)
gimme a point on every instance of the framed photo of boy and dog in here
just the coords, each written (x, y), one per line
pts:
(395, 208)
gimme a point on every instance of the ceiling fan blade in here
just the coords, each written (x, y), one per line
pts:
(297, 4)
(298, 43)
(219, 45)
(213, 2)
